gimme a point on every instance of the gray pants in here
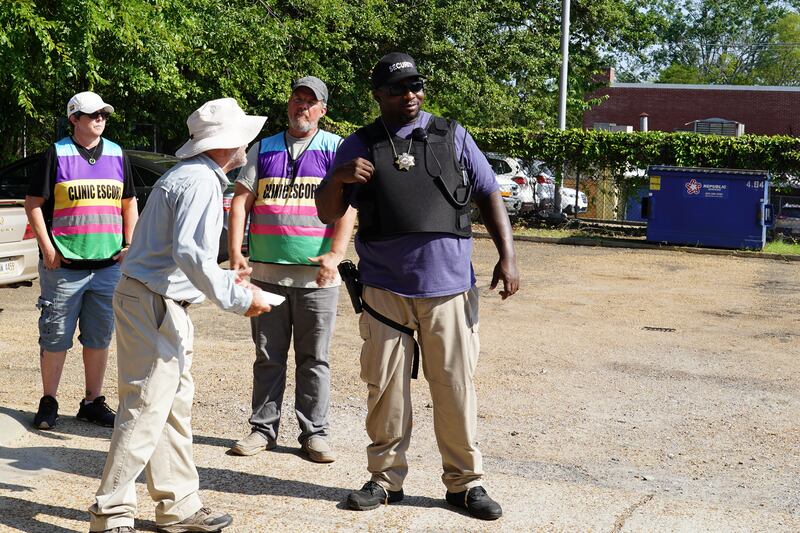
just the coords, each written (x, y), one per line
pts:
(309, 315)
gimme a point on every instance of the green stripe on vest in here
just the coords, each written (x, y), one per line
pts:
(92, 246)
(287, 249)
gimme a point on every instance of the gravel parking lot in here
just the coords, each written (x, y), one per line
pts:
(620, 390)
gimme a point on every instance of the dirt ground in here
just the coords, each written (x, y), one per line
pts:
(619, 390)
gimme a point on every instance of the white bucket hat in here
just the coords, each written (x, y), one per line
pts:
(87, 102)
(219, 124)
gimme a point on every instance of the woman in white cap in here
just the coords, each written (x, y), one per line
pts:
(82, 208)
(171, 265)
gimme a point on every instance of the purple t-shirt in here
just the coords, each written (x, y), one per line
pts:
(420, 265)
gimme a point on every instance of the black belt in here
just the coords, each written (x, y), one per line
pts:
(402, 329)
(183, 303)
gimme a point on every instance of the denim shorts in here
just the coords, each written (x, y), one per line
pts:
(73, 298)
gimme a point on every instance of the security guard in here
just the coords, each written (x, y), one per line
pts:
(411, 176)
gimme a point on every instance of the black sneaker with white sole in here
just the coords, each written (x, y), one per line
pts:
(47, 415)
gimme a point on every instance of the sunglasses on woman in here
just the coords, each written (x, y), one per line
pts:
(94, 116)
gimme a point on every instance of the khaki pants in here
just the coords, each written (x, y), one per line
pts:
(448, 337)
(152, 431)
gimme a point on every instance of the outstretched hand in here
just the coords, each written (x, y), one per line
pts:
(259, 304)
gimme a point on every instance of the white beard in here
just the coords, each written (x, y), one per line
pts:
(301, 124)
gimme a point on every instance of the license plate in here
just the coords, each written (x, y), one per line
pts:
(505, 194)
(7, 266)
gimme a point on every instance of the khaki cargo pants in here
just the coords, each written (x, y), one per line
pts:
(448, 336)
(152, 431)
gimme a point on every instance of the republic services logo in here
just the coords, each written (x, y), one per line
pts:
(694, 187)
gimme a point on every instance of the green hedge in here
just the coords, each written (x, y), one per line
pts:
(590, 152)
(585, 150)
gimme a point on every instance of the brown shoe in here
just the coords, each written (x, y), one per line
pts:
(318, 450)
(204, 520)
(252, 444)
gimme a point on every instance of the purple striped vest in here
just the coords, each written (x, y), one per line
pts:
(87, 202)
(284, 226)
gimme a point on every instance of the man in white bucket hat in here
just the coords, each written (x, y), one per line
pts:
(171, 265)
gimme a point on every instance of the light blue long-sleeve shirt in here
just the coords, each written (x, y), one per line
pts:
(176, 240)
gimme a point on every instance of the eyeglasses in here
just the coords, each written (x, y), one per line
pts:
(302, 101)
(399, 89)
(94, 116)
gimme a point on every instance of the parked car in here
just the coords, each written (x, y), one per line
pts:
(510, 193)
(146, 167)
(545, 191)
(19, 253)
(512, 169)
(787, 221)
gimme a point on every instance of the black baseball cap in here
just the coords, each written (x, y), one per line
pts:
(392, 68)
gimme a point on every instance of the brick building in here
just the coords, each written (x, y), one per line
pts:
(760, 110)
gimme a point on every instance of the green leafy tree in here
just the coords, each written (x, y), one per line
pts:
(716, 41)
(487, 63)
(779, 64)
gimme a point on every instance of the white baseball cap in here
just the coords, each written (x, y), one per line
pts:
(219, 123)
(87, 102)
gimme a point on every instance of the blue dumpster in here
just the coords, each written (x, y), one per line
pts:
(708, 207)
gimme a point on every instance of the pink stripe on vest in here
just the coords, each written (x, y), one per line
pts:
(297, 231)
(310, 211)
(87, 210)
(88, 228)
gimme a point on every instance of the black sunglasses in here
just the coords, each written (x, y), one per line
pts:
(398, 89)
(95, 115)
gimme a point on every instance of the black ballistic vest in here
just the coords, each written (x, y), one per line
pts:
(423, 199)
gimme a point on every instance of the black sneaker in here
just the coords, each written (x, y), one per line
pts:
(98, 412)
(476, 502)
(371, 496)
(47, 415)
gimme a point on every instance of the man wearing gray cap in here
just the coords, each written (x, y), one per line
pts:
(292, 253)
(171, 265)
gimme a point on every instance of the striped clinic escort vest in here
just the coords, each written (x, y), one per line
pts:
(284, 226)
(87, 202)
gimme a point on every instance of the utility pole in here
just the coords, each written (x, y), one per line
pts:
(562, 98)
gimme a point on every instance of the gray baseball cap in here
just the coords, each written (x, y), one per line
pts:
(315, 84)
